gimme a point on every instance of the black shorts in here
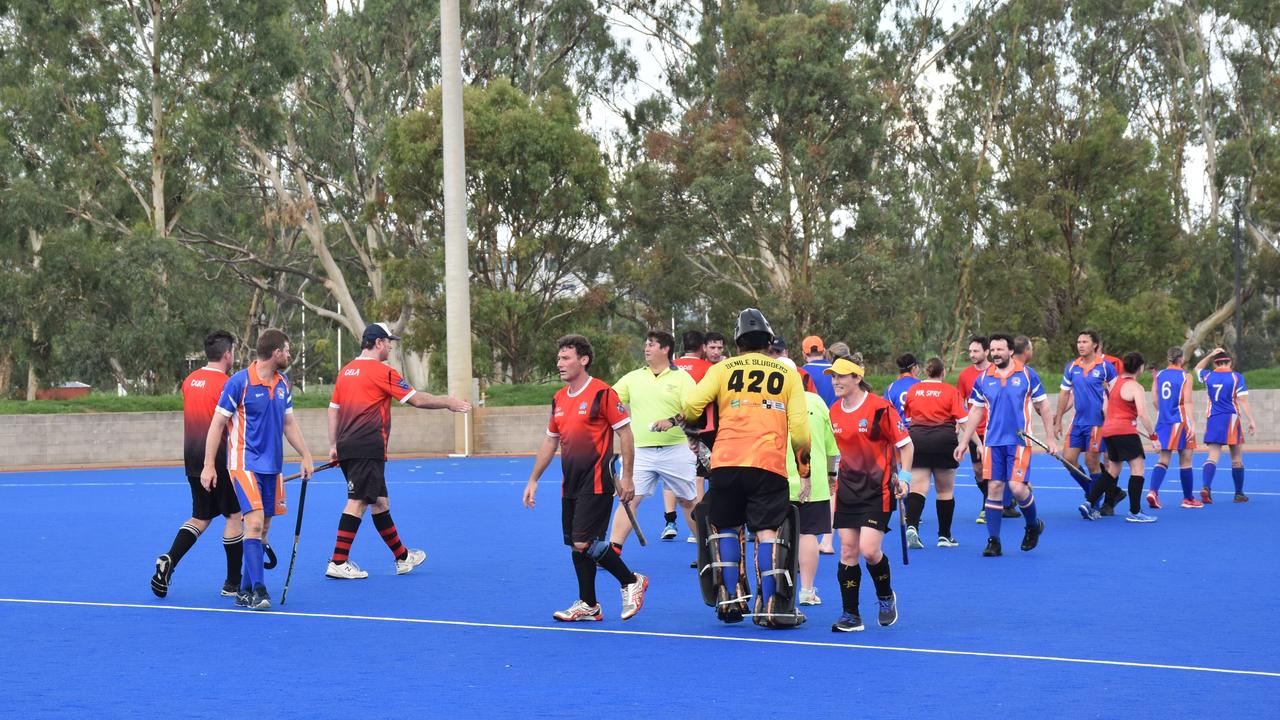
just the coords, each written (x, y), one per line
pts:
(815, 517)
(862, 516)
(1123, 448)
(209, 504)
(366, 479)
(759, 498)
(934, 447)
(585, 518)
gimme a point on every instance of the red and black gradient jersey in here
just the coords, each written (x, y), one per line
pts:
(867, 463)
(694, 365)
(362, 396)
(584, 422)
(200, 393)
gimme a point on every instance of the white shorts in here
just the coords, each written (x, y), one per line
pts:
(674, 465)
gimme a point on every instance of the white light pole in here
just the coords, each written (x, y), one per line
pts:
(457, 293)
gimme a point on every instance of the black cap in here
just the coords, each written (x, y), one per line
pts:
(749, 321)
(778, 345)
(377, 331)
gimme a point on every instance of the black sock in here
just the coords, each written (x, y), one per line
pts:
(946, 512)
(585, 568)
(611, 561)
(235, 557)
(387, 529)
(880, 576)
(1100, 488)
(669, 517)
(915, 508)
(182, 542)
(850, 577)
(1135, 493)
(348, 526)
(982, 485)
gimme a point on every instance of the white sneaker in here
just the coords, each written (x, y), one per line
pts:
(809, 596)
(579, 612)
(947, 542)
(633, 596)
(692, 539)
(913, 539)
(410, 561)
(346, 571)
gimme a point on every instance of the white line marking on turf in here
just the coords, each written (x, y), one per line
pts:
(646, 633)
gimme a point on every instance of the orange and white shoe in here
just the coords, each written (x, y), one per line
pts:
(579, 612)
(1205, 496)
(633, 596)
(1153, 500)
(1191, 503)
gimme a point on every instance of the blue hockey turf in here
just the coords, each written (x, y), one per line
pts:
(1104, 619)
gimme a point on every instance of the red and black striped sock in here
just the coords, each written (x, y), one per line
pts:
(387, 529)
(347, 527)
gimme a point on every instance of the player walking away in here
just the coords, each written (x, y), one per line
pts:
(700, 439)
(586, 414)
(1126, 407)
(1005, 392)
(933, 411)
(359, 427)
(715, 347)
(908, 376)
(200, 393)
(979, 348)
(815, 366)
(869, 433)
(812, 509)
(1174, 431)
(760, 402)
(1085, 382)
(256, 409)
(1228, 402)
(654, 396)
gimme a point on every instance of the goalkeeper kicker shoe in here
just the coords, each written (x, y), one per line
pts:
(164, 573)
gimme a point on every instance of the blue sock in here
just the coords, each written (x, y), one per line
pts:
(1083, 485)
(730, 552)
(764, 562)
(1096, 477)
(995, 512)
(1209, 469)
(253, 561)
(1029, 510)
(1187, 476)
(1237, 477)
(1157, 477)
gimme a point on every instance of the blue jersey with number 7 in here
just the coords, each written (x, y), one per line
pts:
(1223, 386)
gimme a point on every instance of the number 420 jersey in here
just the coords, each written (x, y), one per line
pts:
(760, 400)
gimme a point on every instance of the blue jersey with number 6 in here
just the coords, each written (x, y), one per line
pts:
(1168, 389)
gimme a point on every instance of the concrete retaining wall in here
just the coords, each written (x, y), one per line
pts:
(31, 441)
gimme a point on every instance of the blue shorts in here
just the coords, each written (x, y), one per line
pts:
(1006, 462)
(259, 492)
(1087, 438)
(1223, 430)
(1175, 436)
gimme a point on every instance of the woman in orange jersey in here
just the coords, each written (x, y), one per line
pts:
(933, 410)
(873, 440)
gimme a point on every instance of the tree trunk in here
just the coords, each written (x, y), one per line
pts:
(1196, 335)
(159, 219)
(37, 242)
(6, 373)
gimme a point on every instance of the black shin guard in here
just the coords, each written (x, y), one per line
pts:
(946, 513)
(880, 576)
(585, 568)
(1135, 493)
(850, 577)
(915, 508)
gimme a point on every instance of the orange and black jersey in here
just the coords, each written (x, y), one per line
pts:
(867, 435)
(200, 393)
(362, 396)
(759, 400)
(584, 422)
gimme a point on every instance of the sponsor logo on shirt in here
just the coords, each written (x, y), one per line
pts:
(582, 408)
(197, 383)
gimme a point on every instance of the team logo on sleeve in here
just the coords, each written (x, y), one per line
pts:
(901, 425)
(621, 408)
(403, 384)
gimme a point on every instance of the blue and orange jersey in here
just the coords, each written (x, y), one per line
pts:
(821, 383)
(1007, 396)
(1223, 386)
(256, 410)
(200, 393)
(584, 422)
(898, 389)
(1167, 388)
(362, 396)
(1088, 383)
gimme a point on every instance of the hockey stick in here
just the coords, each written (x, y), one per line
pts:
(902, 531)
(297, 529)
(631, 515)
(1080, 475)
(316, 469)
